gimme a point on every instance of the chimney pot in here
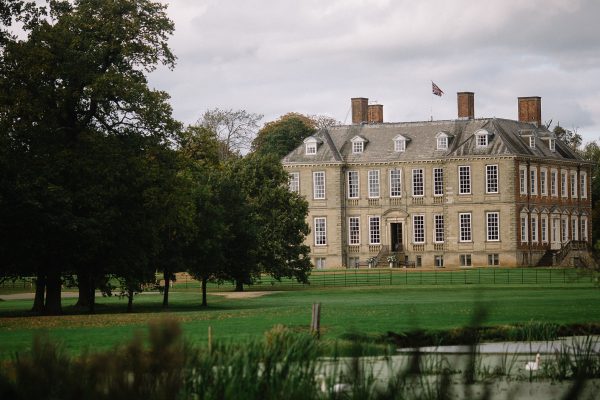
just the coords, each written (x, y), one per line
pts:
(530, 110)
(359, 110)
(466, 105)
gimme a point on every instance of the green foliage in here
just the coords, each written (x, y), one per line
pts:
(278, 138)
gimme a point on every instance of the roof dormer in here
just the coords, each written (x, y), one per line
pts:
(400, 143)
(311, 144)
(358, 144)
(442, 140)
(482, 138)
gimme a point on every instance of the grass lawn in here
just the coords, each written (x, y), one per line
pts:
(367, 310)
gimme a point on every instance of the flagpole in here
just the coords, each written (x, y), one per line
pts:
(431, 104)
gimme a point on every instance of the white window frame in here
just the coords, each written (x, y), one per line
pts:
(442, 142)
(465, 260)
(438, 182)
(524, 228)
(583, 184)
(438, 228)
(492, 228)
(552, 144)
(320, 229)
(374, 230)
(399, 145)
(544, 228)
(294, 182)
(465, 226)
(573, 184)
(358, 146)
(583, 227)
(354, 231)
(522, 179)
(418, 223)
(418, 182)
(563, 183)
(311, 148)
(491, 178)
(534, 228)
(395, 183)
(532, 142)
(564, 229)
(544, 181)
(533, 181)
(481, 140)
(319, 187)
(353, 187)
(554, 182)
(374, 183)
(464, 179)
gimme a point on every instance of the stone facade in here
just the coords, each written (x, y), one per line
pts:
(466, 192)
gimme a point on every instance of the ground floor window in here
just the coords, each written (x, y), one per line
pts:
(465, 260)
(320, 262)
(493, 259)
(439, 261)
(353, 262)
(419, 261)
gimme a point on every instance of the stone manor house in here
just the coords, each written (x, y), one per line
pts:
(457, 193)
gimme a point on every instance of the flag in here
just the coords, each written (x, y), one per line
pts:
(436, 90)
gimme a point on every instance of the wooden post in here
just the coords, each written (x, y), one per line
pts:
(315, 323)
(209, 339)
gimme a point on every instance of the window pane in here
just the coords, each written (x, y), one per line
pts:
(493, 226)
(419, 229)
(418, 184)
(294, 182)
(439, 228)
(491, 178)
(438, 181)
(374, 183)
(464, 179)
(320, 231)
(465, 227)
(319, 185)
(353, 188)
(395, 183)
(374, 233)
(354, 230)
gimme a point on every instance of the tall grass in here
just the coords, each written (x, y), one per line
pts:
(284, 364)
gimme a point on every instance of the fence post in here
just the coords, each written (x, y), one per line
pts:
(390, 277)
(522, 272)
(315, 322)
(564, 276)
(536, 276)
(406, 276)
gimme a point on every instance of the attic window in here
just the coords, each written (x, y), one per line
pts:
(552, 144)
(482, 138)
(310, 145)
(358, 144)
(442, 141)
(532, 142)
(399, 144)
(358, 147)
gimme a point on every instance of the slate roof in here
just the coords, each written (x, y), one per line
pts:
(508, 137)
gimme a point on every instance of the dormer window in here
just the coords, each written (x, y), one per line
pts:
(358, 144)
(552, 144)
(482, 138)
(532, 142)
(310, 145)
(442, 139)
(400, 143)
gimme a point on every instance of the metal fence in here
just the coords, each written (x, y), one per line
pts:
(394, 277)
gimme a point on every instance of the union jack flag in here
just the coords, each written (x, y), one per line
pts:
(436, 90)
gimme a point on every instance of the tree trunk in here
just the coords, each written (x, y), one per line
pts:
(167, 277)
(204, 282)
(92, 296)
(130, 301)
(83, 284)
(40, 289)
(239, 286)
(53, 293)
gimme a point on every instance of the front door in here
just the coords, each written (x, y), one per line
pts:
(396, 236)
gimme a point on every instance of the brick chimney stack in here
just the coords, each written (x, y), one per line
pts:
(375, 112)
(360, 107)
(466, 105)
(530, 110)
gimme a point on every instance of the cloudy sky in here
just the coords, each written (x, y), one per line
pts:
(311, 56)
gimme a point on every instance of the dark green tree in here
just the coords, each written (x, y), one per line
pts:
(74, 88)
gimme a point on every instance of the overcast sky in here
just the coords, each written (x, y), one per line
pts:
(311, 56)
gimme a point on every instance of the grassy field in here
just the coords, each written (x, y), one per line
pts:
(370, 310)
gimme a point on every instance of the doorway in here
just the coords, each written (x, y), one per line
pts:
(396, 236)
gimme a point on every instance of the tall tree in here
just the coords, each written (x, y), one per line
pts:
(279, 137)
(79, 76)
(235, 129)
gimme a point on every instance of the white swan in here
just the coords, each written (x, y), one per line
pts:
(533, 365)
(336, 388)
